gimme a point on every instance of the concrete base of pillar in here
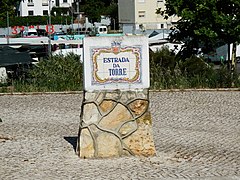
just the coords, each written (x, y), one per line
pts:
(114, 124)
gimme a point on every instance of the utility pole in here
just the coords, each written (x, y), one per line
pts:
(8, 28)
(72, 16)
(78, 14)
(49, 33)
(114, 25)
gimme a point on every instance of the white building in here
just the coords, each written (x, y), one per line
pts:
(140, 15)
(41, 7)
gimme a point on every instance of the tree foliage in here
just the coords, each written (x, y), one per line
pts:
(35, 20)
(95, 8)
(204, 23)
(8, 6)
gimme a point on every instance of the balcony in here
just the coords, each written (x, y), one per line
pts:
(65, 5)
(30, 4)
(44, 3)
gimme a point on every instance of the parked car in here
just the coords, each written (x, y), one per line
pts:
(3, 35)
(238, 59)
(42, 32)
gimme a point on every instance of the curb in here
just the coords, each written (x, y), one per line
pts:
(189, 90)
(151, 90)
(40, 93)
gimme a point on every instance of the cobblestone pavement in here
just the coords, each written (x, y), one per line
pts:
(196, 133)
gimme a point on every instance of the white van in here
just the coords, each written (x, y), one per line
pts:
(102, 30)
(30, 33)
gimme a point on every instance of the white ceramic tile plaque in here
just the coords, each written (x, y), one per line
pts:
(116, 63)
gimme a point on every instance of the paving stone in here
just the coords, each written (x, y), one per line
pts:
(196, 135)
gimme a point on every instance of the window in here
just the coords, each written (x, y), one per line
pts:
(45, 12)
(160, 3)
(162, 26)
(30, 3)
(30, 13)
(57, 3)
(65, 1)
(102, 29)
(141, 14)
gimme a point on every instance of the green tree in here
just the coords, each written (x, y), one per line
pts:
(95, 8)
(111, 11)
(8, 6)
(204, 23)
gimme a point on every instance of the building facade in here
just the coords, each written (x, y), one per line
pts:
(136, 16)
(41, 7)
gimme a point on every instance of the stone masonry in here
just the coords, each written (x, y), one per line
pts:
(115, 123)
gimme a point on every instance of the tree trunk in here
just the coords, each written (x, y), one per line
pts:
(233, 61)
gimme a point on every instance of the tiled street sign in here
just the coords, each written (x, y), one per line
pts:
(116, 63)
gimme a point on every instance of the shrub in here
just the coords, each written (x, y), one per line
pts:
(60, 73)
(57, 73)
(164, 58)
(167, 72)
(35, 20)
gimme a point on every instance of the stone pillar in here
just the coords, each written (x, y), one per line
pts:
(115, 123)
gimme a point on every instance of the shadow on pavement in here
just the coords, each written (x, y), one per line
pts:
(72, 140)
